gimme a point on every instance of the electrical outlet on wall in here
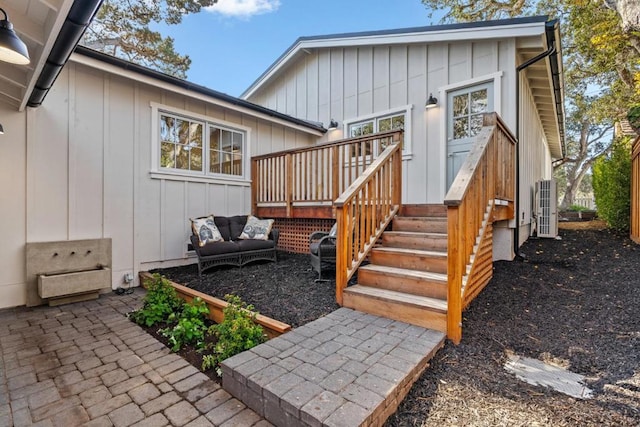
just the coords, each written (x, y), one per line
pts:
(128, 278)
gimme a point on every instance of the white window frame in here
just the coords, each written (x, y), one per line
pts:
(406, 110)
(443, 91)
(158, 172)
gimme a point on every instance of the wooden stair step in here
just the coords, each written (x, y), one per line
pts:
(415, 309)
(420, 224)
(415, 239)
(416, 282)
(423, 210)
(414, 259)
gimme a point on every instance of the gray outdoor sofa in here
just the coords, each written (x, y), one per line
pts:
(233, 251)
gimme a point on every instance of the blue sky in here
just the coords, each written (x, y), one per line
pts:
(231, 44)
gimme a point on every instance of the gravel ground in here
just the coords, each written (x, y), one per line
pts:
(571, 302)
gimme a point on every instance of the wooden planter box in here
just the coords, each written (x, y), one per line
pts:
(272, 327)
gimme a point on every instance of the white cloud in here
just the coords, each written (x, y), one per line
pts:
(244, 8)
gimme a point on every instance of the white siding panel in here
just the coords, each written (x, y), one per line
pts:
(174, 215)
(351, 82)
(485, 58)
(119, 173)
(13, 197)
(86, 158)
(398, 72)
(337, 84)
(47, 163)
(300, 100)
(365, 81)
(459, 62)
(381, 78)
(312, 87)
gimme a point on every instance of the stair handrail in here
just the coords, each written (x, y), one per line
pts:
(365, 209)
(487, 174)
(317, 174)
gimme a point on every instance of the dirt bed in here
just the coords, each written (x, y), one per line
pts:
(571, 302)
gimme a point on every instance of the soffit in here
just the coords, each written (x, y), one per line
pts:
(37, 23)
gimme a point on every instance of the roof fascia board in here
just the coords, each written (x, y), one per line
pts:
(444, 36)
(131, 75)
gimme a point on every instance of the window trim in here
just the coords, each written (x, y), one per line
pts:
(157, 172)
(443, 92)
(408, 129)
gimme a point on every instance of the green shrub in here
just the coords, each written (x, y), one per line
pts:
(612, 185)
(237, 332)
(159, 303)
(634, 117)
(189, 327)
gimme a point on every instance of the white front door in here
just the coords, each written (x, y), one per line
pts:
(465, 108)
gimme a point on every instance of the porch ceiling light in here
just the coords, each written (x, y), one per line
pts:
(333, 124)
(431, 102)
(12, 49)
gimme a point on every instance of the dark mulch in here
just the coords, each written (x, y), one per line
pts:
(573, 302)
(284, 290)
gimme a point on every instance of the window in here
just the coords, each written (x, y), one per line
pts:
(383, 123)
(180, 143)
(467, 109)
(196, 147)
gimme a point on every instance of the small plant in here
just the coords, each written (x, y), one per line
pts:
(237, 332)
(190, 327)
(159, 303)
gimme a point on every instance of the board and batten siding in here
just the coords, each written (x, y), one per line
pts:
(348, 83)
(79, 166)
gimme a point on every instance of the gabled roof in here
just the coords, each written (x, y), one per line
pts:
(432, 33)
(137, 72)
(545, 78)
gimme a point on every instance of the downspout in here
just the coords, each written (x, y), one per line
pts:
(550, 34)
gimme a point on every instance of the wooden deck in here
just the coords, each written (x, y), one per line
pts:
(426, 263)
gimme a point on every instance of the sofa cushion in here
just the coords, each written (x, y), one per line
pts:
(218, 248)
(222, 222)
(255, 228)
(236, 225)
(253, 245)
(206, 230)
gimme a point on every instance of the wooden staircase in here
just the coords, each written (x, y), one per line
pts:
(406, 278)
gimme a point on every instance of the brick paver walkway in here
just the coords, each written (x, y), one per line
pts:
(87, 364)
(342, 370)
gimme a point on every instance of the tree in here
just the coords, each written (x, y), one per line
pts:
(599, 55)
(122, 29)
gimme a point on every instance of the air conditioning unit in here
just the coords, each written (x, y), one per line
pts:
(546, 208)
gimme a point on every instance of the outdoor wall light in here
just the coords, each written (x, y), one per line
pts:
(1, 130)
(431, 102)
(12, 49)
(333, 124)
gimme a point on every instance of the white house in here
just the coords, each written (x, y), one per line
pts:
(374, 81)
(90, 142)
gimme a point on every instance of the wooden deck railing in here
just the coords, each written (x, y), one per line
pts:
(485, 180)
(298, 183)
(365, 209)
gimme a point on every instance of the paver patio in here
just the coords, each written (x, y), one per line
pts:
(87, 364)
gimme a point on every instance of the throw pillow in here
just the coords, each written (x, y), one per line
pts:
(206, 230)
(255, 228)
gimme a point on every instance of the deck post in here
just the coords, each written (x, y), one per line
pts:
(454, 273)
(289, 183)
(254, 187)
(341, 254)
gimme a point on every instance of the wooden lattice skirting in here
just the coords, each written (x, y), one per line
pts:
(295, 232)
